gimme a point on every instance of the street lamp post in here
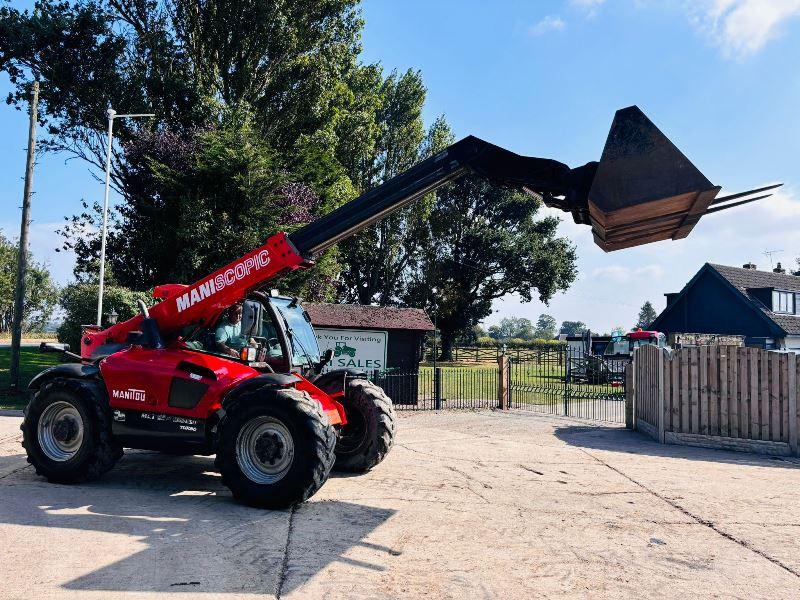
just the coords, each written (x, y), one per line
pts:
(112, 114)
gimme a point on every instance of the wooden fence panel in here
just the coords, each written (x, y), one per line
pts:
(724, 392)
(784, 369)
(694, 390)
(713, 390)
(724, 400)
(775, 397)
(703, 386)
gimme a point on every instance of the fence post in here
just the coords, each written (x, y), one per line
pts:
(633, 388)
(437, 388)
(567, 368)
(792, 381)
(502, 382)
(629, 395)
(661, 429)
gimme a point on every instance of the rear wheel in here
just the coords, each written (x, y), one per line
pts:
(275, 448)
(369, 434)
(67, 431)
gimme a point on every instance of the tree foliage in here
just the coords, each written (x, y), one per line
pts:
(79, 301)
(573, 327)
(196, 202)
(512, 327)
(545, 327)
(41, 294)
(647, 314)
(485, 242)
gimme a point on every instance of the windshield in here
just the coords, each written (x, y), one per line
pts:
(304, 343)
(618, 345)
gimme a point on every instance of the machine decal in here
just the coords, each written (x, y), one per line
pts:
(229, 276)
(130, 394)
(129, 423)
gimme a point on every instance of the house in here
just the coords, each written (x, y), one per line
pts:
(374, 338)
(762, 306)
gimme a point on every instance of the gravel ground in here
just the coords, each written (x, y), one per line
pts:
(468, 505)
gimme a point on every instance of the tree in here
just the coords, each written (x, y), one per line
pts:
(545, 327)
(79, 301)
(512, 327)
(179, 59)
(195, 203)
(485, 242)
(375, 260)
(292, 67)
(41, 294)
(573, 327)
(647, 314)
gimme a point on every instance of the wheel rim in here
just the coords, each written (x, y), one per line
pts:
(60, 431)
(264, 450)
(353, 434)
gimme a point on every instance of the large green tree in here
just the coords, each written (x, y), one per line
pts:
(195, 203)
(374, 260)
(194, 176)
(41, 294)
(486, 242)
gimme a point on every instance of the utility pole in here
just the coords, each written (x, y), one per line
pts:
(22, 258)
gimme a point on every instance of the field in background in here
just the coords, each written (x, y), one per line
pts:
(31, 363)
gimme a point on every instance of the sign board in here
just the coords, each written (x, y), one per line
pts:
(355, 348)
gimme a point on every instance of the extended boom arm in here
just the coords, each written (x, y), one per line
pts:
(642, 190)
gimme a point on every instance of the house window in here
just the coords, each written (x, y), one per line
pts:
(782, 302)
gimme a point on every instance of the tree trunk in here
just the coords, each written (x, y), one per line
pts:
(446, 339)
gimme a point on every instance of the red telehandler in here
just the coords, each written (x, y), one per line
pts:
(220, 367)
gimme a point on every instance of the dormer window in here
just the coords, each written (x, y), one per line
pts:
(783, 302)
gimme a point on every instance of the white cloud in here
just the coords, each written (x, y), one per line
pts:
(549, 23)
(590, 7)
(623, 274)
(741, 27)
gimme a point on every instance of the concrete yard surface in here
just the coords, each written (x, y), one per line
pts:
(467, 505)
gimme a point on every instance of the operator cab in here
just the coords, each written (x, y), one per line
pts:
(621, 347)
(273, 333)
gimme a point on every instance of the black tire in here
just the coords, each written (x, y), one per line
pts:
(313, 439)
(369, 434)
(96, 453)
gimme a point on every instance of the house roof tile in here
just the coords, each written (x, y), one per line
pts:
(748, 279)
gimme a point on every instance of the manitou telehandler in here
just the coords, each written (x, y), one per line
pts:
(220, 367)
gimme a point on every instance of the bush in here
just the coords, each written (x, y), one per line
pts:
(79, 301)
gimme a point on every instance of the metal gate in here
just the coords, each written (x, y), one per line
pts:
(567, 381)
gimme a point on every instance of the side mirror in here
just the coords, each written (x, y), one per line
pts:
(53, 348)
(327, 356)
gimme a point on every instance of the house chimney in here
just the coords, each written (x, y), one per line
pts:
(779, 269)
(749, 265)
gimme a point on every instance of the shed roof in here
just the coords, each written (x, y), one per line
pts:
(359, 316)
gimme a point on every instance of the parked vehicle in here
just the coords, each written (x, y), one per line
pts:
(193, 374)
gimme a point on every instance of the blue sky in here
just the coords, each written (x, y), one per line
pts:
(719, 77)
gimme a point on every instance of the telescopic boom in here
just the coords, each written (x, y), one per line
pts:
(642, 190)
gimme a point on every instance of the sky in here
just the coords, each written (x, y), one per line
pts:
(543, 78)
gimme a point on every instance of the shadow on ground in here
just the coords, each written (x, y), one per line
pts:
(633, 442)
(182, 530)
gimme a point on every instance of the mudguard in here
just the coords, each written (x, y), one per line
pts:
(265, 380)
(68, 370)
(333, 381)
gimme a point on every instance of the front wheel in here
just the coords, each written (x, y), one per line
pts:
(67, 431)
(369, 434)
(275, 448)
